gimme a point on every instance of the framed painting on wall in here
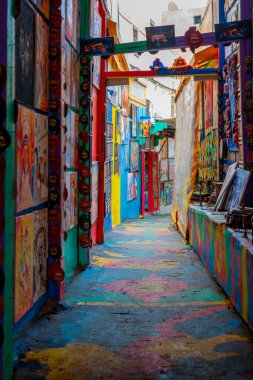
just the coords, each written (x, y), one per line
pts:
(127, 156)
(68, 57)
(40, 253)
(96, 22)
(130, 195)
(164, 170)
(237, 189)
(145, 126)
(134, 121)
(40, 186)
(134, 156)
(71, 202)
(69, 20)
(171, 169)
(208, 98)
(75, 80)
(96, 71)
(135, 185)
(43, 5)
(25, 49)
(24, 158)
(24, 261)
(171, 148)
(94, 191)
(164, 148)
(42, 64)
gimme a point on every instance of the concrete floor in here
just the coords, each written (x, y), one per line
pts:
(146, 308)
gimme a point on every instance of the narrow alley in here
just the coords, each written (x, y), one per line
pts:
(146, 308)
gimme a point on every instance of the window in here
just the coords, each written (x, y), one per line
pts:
(152, 23)
(197, 19)
(135, 33)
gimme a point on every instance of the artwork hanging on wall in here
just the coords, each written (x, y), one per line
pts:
(75, 80)
(208, 99)
(125, 101)
(43, 5)
(134, 121)
(164, 170)
(72, 139)
(71, 202)
(135, 185)
(127, 130)
(164, 148)
(94, 191)
(127, 157)
(25, 158)
(96, 23)
(134, 156)
(145, 126)
(68, 57)
(69, 20)
(171, 169)
(40, 253)
(42, 64)
(168, 192)
(96, 71)
(171, 148)
(237, 190)
(40, 187)
(225, 187)
(24, 253)
(130, 194)
(25, 49)
(122, 130)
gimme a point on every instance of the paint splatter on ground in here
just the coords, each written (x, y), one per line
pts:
(146, 308)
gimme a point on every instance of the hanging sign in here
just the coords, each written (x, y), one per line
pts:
(97, 46)
(160, 37)
(231, 31)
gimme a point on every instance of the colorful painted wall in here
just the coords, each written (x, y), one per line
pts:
(227, 255)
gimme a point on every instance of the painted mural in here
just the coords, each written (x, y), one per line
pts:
(42, 64)
(24, 261)
(25, 158)
(185, 156)
(40, 253)
(40, 186)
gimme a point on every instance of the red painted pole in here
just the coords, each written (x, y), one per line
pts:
(101, 138)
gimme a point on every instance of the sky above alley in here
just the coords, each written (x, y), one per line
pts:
(142, 10)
